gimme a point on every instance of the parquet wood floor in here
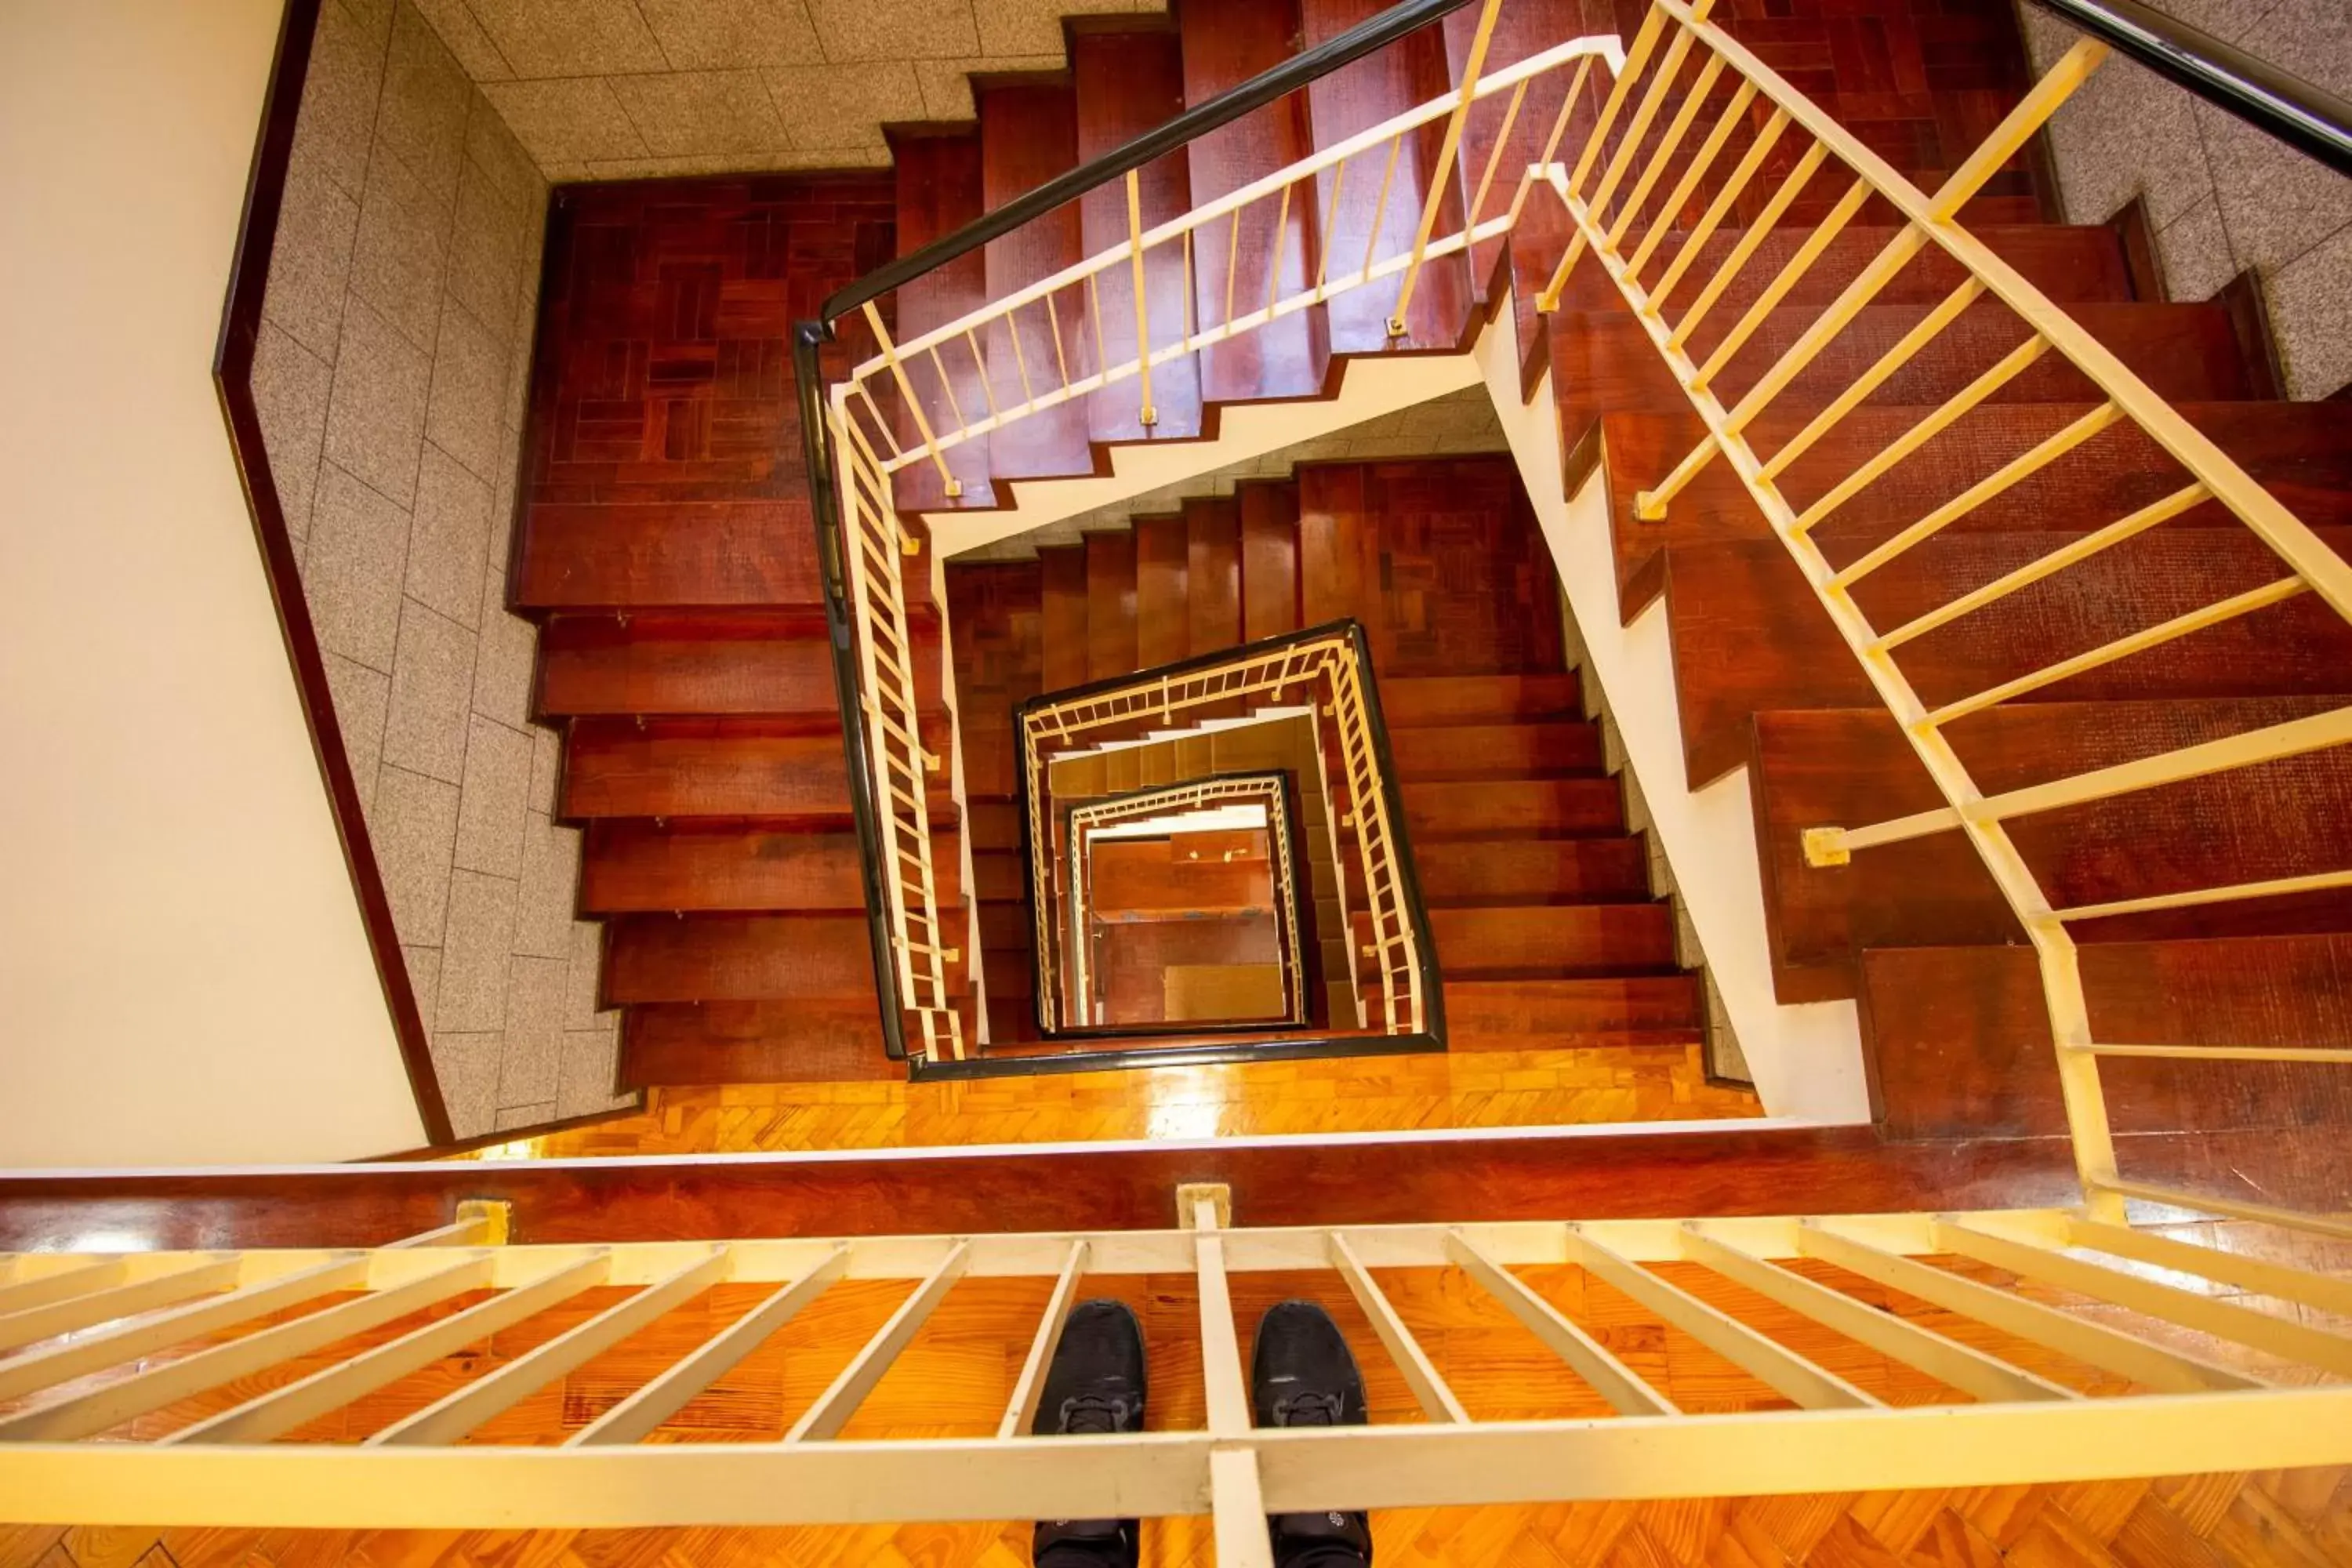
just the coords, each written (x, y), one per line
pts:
(1352, 1094)
(955, 1376)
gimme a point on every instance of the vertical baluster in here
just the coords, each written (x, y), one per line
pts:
(1449, 148)
(1149, 416)
(948, 481)
(1380, 205)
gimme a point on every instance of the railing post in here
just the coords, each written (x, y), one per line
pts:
(1150, 415)
(1447, 151)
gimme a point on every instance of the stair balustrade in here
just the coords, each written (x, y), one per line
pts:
(1973, 1379)
(1678, 34)
(1328, 668)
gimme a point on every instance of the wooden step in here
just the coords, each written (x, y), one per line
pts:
(1029, 134)
(1355, 98)
(1513, 808)
(1603, 362)
(629, 866)
(2300, 452)
(941, 188)
(1440, 700)
(755, 1042)
(1225, 43)
(719, 767)
(1494, 751)
(654, 555)
(1127, 83)
(1957, 1038)
(1529, 870)
(1852, 767)
(1269, 545)
(2185, 353)
(1749, 635)
(1554, 1014)
(1062, 626)
(999, 664)
(1212, 575)
(2073, 263)
(1558, 941)
(1163, 610)
(705, 662)
(739, 958)
(997, 874)
(1111, 631)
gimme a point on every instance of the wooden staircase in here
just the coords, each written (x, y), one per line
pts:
(1539, 899)
(667, 542)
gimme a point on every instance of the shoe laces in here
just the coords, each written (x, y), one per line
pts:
(1306, 1410)
(1094, 1412)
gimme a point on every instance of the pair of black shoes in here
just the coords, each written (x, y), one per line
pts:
(1301, 1375)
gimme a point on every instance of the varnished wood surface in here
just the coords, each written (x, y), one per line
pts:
(1126, 84)
(2295, 1518)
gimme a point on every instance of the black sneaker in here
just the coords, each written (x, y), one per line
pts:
(1302, 1374)
(1094, 1385)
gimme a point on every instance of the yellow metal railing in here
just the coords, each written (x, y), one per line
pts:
(1048, 343)
(874, 543)
(1676, 62)
(2214, 1365)
(1326, 666)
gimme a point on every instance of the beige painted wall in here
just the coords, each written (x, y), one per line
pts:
(182, 972)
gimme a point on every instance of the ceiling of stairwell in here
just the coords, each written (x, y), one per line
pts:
(627, 88)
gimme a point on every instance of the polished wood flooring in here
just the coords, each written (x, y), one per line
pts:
(2292, 1519)
(1348, 1094)
(954, 1377)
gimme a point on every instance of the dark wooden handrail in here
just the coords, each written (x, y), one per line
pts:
(2304, 115)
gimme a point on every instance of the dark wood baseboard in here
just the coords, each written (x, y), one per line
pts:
(2138, 237)
(2249, 320)
(233, 378)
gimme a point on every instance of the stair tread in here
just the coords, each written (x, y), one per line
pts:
(754, 1042)
(1748, 634)
(1226, 42)
(1355, 98)
(1127, 83)
(940, 189)
(1029, 134)
(1958, 1037)
(777, 765)
(754, 863)
(1851, 767)
(2300, 452)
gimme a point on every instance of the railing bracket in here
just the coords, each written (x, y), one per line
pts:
(1826, 846)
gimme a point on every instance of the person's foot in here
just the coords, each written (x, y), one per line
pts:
(1094, 1385)
(1302, 1374)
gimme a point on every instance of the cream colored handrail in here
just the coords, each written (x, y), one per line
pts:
(1067, 309)
(1932, 220)
(1325, 667)
(1159, 802)
(2024, 1415)
(874, 544)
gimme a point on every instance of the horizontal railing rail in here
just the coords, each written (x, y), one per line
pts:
(232, 1397)
(2303, 114)
(1329, 665)
(1626, 241)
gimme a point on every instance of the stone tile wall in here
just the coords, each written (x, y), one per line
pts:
(2222, 195)
(602, 89)
(392, 377)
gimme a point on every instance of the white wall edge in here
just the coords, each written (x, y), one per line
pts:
(1370, 388)
(1807, 1059)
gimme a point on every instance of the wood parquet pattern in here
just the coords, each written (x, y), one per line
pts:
(1353, 1094)
(953, 1379)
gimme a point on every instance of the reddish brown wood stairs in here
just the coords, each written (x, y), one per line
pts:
(1954, 1024)
(1539, 897)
